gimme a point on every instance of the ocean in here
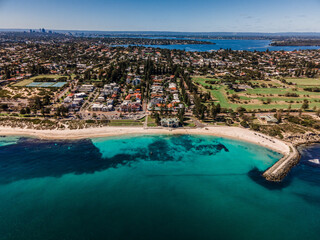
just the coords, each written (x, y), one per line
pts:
(153, 187)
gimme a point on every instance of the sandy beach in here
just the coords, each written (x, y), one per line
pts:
(219, 131)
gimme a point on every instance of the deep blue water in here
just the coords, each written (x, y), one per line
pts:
(249, 45)
(153, 187)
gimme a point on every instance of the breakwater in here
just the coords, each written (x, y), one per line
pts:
(280, 169)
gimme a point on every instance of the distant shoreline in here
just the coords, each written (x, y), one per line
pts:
(297, 43)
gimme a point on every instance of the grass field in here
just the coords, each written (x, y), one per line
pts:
(202, 80)
(22, 83)
(48, 76)
(305, 81)
(253, 99)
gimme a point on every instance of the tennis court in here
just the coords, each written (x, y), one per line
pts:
(47, 84)
(59, 84)
(34, 84)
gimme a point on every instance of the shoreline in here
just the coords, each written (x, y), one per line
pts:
(235, 133)
(275, 173)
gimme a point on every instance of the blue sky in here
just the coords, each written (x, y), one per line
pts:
(163, 15)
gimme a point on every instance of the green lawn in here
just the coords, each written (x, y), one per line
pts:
(202, 80)
(151, 122)
(52, 76)
(22, 83)
(125, 123)
(220, 96)
(268, 91)
(219, 92)
(305, 81)
(266, 82)
(189, 124)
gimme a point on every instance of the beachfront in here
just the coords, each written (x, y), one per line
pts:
(276, 173)
(236, 133)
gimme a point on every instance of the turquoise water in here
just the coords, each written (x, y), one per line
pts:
(4, 141)
(152, 187)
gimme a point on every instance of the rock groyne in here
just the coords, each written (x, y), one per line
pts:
(280, 169)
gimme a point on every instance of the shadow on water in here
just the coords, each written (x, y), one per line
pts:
(257, 177)
(35, 158)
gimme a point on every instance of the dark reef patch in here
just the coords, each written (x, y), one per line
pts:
(184, 141)
(199, 145)
(211, 149)
(158, 151)
(34, 158)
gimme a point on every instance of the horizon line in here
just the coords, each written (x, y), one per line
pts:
(151, 31)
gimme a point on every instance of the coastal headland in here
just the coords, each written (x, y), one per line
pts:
(275, 173)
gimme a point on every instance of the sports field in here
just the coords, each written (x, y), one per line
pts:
(30, 82)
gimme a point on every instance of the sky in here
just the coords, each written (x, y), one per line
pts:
(163, 15)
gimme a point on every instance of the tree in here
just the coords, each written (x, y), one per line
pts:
(289, 110)
(213, 111)
(46, 100)
(181, 113)
(58, 111)
(241, 110)
(22, 111)
(255, 127)
(157, 119)
(4, 107)
(305, 104)
(279, 116)
(244, 124)
(28, 111)
(61, 111)
(37, 103)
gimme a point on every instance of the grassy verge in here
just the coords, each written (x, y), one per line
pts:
(151, 122)
(116, 123)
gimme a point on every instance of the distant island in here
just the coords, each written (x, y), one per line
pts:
(297, 42)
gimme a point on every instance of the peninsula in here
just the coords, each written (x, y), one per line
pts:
(296, 42)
